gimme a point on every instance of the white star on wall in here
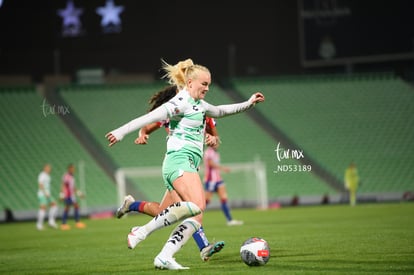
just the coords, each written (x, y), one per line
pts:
(110, 13)
(70, 15)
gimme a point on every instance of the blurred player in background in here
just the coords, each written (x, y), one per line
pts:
(213, 181)
(46, 199)
(69, 194)
(352, 182)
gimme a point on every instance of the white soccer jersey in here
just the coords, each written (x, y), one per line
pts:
(44, 178)
(187, 120)
(187, 123)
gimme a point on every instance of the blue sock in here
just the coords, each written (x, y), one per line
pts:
(200, 238)
(65, 216)
(76, 214)
(226, 210)
(135, 206)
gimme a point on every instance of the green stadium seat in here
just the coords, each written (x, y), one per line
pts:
(29, 139)
(365, 118)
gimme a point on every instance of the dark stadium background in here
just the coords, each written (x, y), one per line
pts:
(231, 38)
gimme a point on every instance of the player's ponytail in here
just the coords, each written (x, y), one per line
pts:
(179, 74)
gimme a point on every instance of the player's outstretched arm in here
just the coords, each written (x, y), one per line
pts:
(230, 109)
(118, 134)
(257, 98)
(111, 138)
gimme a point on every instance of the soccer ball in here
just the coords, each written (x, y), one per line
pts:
(255, 251)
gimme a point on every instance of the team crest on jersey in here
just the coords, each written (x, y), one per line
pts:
(176, 110)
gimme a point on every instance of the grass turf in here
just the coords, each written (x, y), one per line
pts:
(335, 239)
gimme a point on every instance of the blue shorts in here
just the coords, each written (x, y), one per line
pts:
(212, 186)
(70, 201)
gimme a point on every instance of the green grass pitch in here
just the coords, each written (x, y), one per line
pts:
(335, 239)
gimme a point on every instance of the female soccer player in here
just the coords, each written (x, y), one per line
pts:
(46, 198)
(68, 195)
(187, 112)
(129, 204)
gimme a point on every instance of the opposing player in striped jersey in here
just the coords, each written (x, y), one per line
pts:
(69, 194)
(213, 181)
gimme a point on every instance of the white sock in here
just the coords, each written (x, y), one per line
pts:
(173, 213)
(180, 235)
(41, 216)
(52, 214)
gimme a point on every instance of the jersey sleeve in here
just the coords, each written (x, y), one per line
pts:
(210, 122)
(226, 110)
(160, 113)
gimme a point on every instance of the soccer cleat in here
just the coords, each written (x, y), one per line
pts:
(210, 250)
(65, 226)
(234, 222)
(53, 225)
(39, 226)
(80, 225)
(134, 228)
(168, 263)
(124, 208)
(135, 237)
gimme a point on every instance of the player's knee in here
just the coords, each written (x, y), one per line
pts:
(193, 208)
